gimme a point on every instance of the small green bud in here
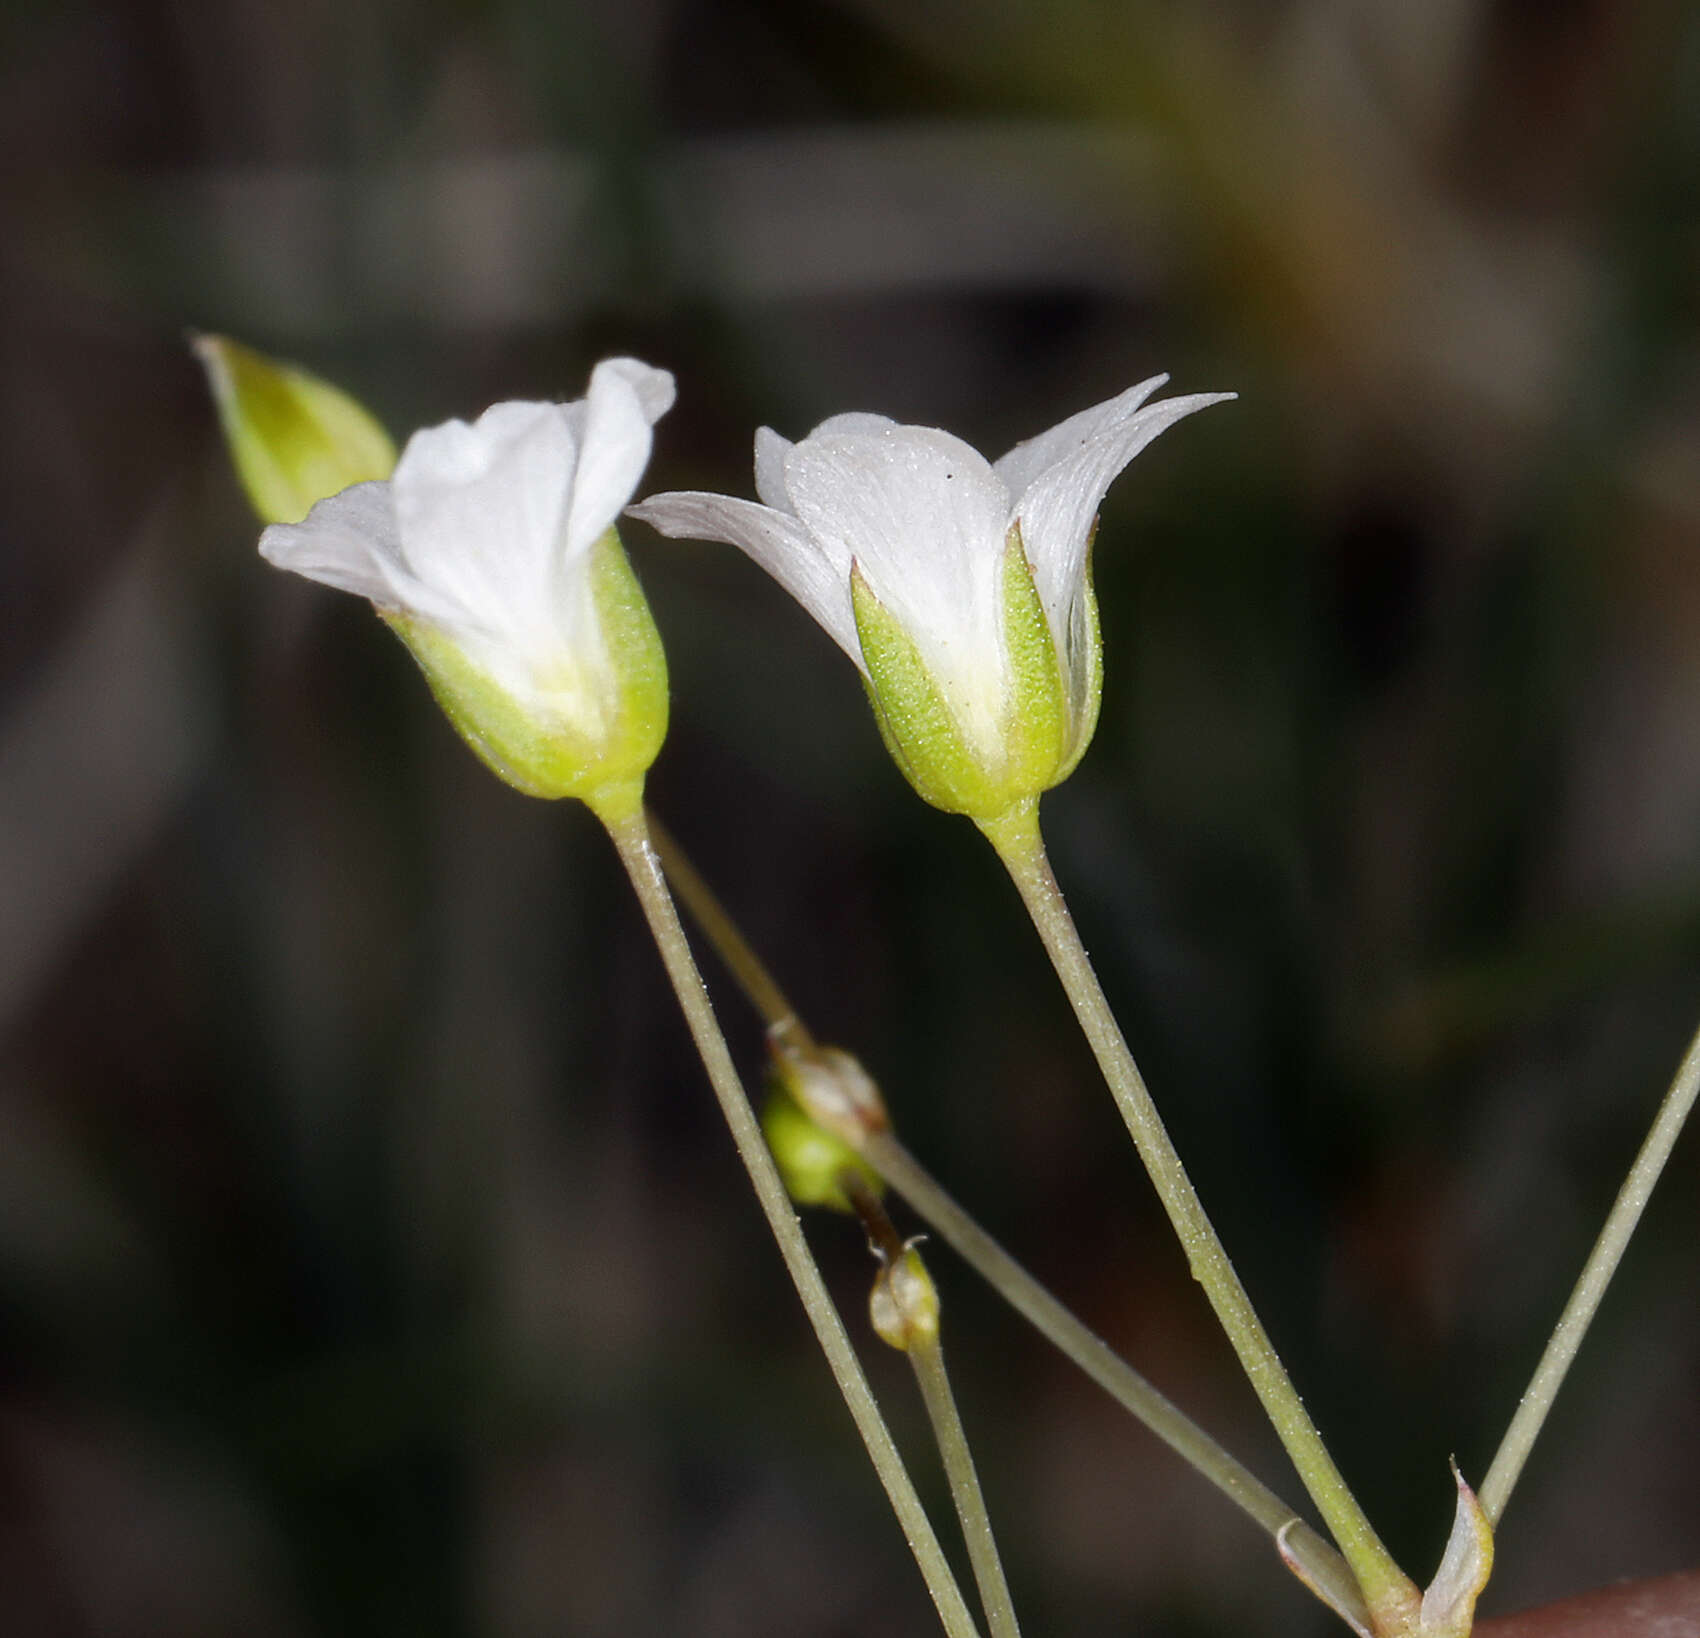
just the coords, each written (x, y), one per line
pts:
(294, 438)
(904, 1305)
(832, 1086)
(811, 1160)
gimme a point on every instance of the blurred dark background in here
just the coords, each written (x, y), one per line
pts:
(372, 1260)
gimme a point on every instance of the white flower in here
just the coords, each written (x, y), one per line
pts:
(929, 532)
(491, 551)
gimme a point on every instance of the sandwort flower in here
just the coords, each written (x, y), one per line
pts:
(962, 589)
(492, 553)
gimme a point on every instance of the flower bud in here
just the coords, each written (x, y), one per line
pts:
(294, 438)
(811, 1160)
(832, 1086)
(904, 1305)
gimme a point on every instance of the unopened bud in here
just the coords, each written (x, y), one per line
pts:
(904, 1305)
(832, 1086)
(294, 439)
(812, 1161)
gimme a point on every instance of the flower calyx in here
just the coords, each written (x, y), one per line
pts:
(955, 759)
(586, 730)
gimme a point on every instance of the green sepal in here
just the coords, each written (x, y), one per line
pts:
(294, 439)
(810, 1159)
(922, 732)
(1037, 732)
(1088, 641)
(595, 748)
(918, 727)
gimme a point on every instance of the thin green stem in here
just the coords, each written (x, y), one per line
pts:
(1596, 1275)
(927, 1357)
(1313, 1559)
(757, 983)
(1392, 1597)
(1091, 1353)
(631, 839)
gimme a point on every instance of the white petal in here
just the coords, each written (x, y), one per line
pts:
(614, 445)
(773, 539)
(854, 421)
(350, 541)
(771, 451)
(1057, 508)
(1029, 458)
(924, 516)
(653, 387)
(481, 509)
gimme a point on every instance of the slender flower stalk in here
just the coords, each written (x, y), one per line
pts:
(927, 1357)
(1596, 1275)
(1392, 1597)
(904, 1309)
(1311, 1558)
(760, 987)
(631, 840)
